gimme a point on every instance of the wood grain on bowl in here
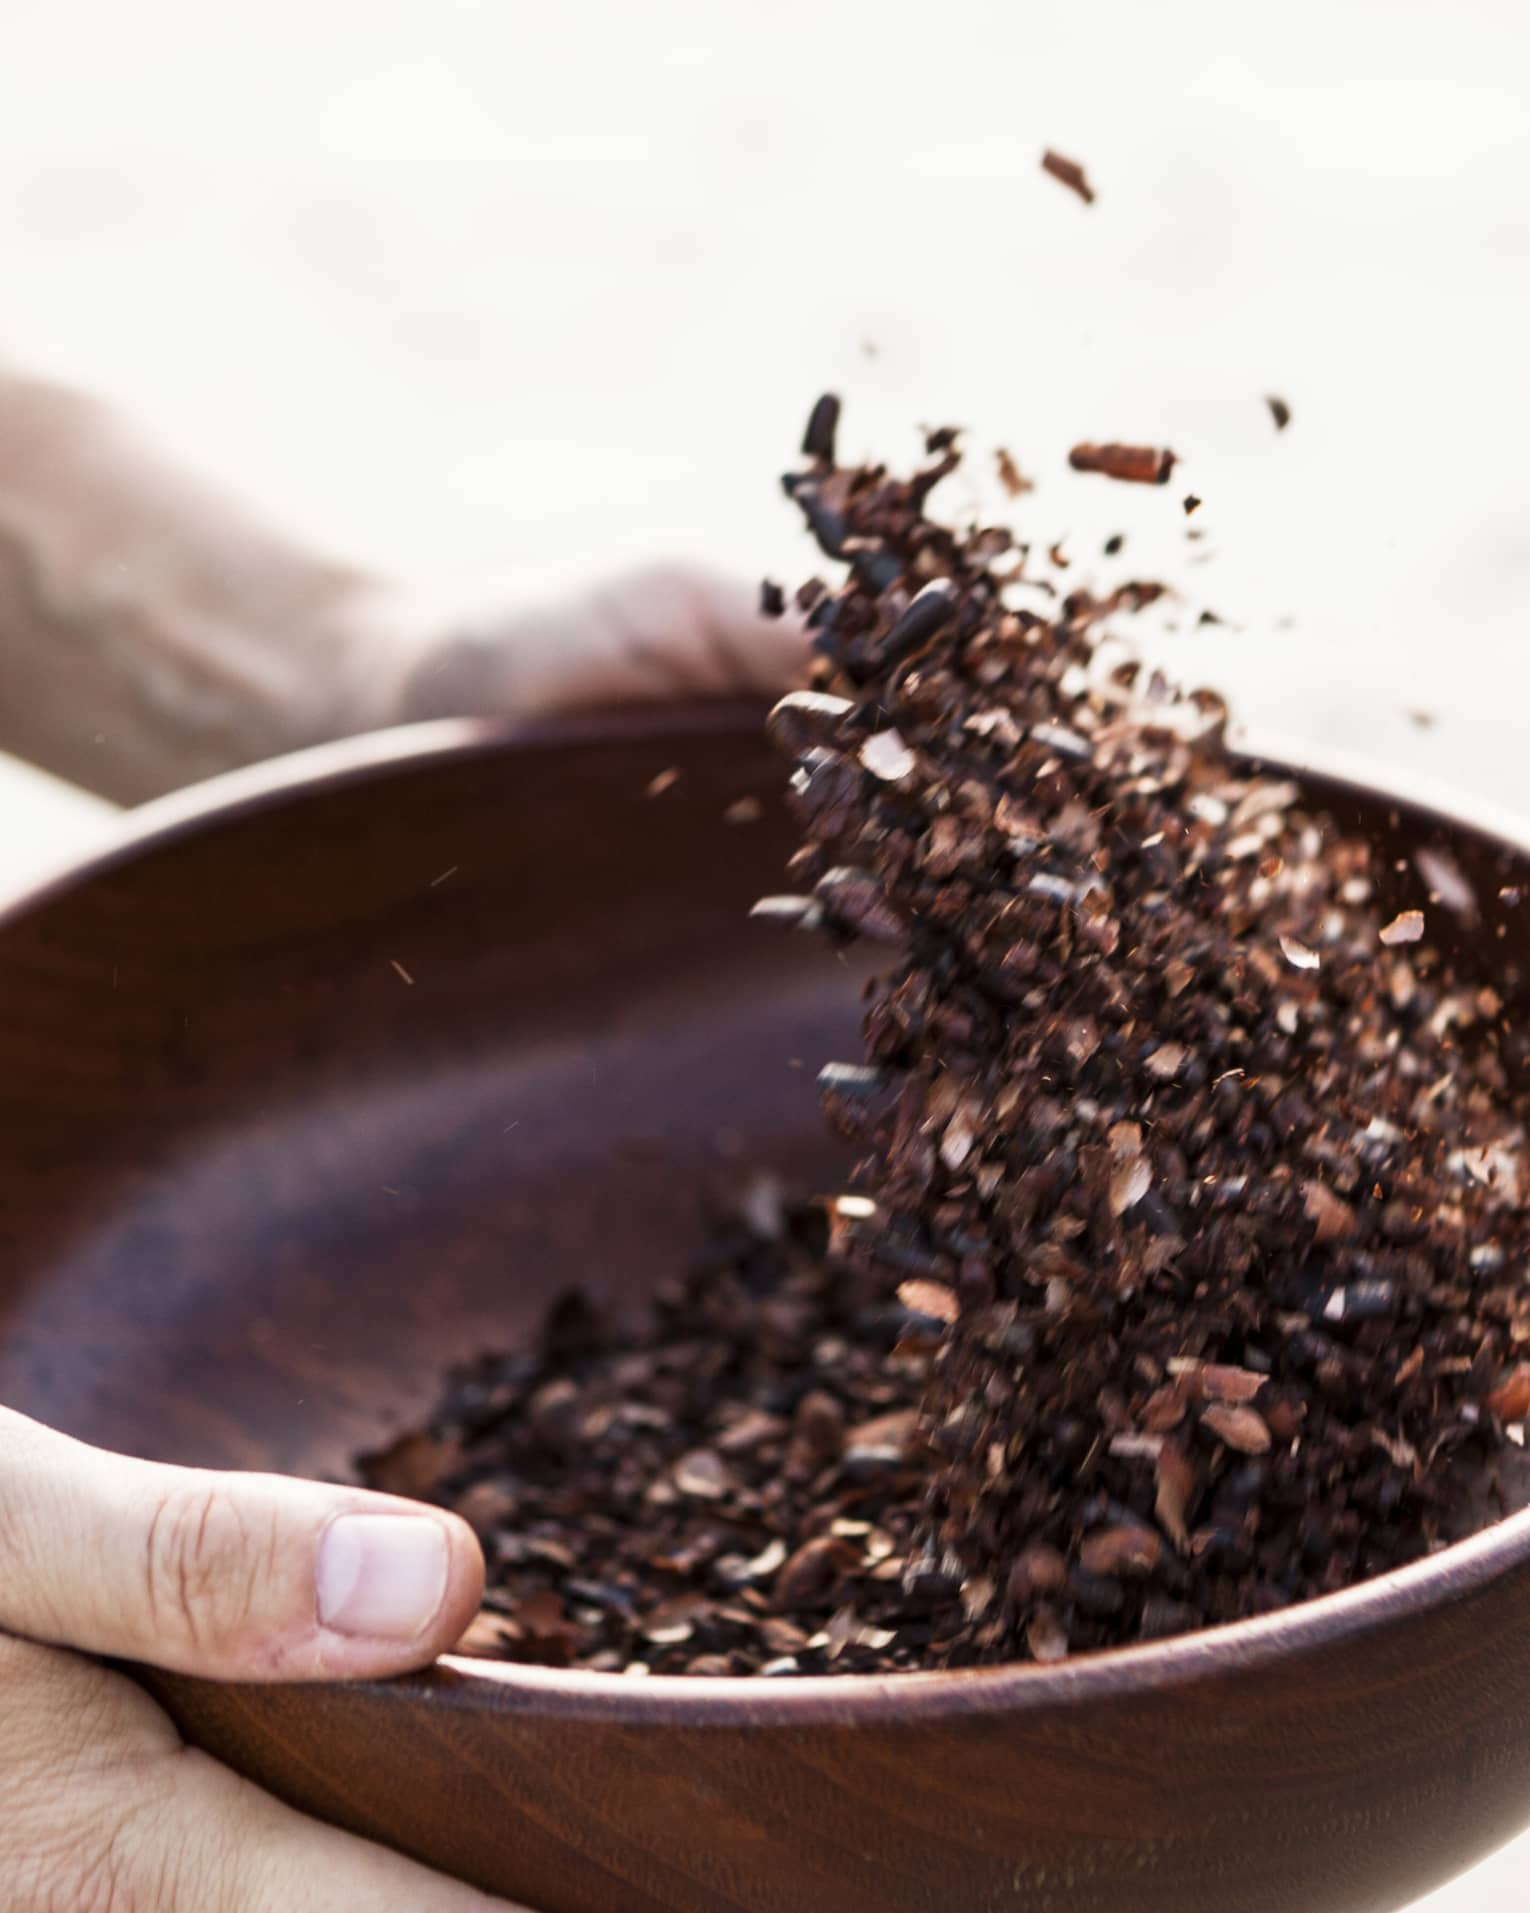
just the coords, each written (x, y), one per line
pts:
(334, 1077)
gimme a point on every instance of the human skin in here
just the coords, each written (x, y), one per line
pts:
(156, 632)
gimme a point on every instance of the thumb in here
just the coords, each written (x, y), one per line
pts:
(231, 1576)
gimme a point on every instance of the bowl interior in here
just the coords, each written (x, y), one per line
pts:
(302, 1102)
(305, 1097)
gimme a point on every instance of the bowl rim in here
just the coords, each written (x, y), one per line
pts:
(1330, 1621)
(1390, 1600)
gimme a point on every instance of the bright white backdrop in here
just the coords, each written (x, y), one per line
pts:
(463, 287)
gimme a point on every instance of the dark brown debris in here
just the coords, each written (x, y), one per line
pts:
(1069, 173)
(738, 1482)
(823, 423)
(1182, 1276)
(1279, 411)
(1169, 1119)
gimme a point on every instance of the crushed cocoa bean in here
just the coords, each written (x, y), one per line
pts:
(1135, 464)
(1069, 173)
(737, 1487)
(1182, 1274)
(1205, 1157)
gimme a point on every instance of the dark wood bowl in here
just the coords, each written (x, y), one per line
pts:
(257, 1187)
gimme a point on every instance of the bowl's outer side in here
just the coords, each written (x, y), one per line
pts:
(1352, 1774)
(313, 1095)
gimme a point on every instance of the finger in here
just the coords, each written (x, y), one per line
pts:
(233, 1576)
(236, 1850)
(690, 629)
(659, 631)
(105, 1806)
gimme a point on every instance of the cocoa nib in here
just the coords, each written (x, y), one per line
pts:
(739, 1482)
(1181, 1274)
(1136, 464)
(1070, 173)
(1189, 1168)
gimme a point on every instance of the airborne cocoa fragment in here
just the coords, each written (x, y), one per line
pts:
(1182, 1272)
(1070, 173)
(1135, 464)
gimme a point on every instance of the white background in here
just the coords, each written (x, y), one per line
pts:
(460, 288)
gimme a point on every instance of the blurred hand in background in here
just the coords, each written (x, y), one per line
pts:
(155, 633)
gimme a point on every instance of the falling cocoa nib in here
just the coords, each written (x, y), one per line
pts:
(1192, 504)
(1135, 464)
(823, 423)
(1070, 173)
(1279, 411)
(1183, 1275)
(1161, 1111)
(772, 599)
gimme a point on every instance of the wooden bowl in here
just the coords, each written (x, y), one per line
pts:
(331, 1074)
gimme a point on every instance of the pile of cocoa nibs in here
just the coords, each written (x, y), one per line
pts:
(1183, 1276)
